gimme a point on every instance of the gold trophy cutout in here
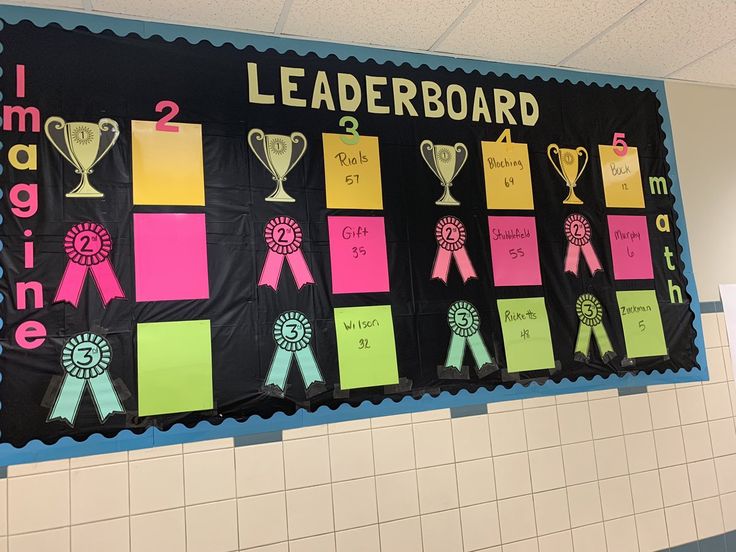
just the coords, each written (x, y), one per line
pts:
(278, 153)
(569, 168)
(445, 162)
(83, 145)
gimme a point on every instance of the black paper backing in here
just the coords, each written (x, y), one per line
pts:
(84, 76)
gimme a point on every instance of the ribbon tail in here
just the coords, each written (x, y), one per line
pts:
(441, 266)
(464, 266)
(70, 288)
(455, 353)
(271, 271)
(591, 258)
(279, 369)
(107, 282)
(582, 345)
(67, 402)
(299, 268)
(601, 337)
(308, 366)
(105, 397)
(479, 350)
(572, 258)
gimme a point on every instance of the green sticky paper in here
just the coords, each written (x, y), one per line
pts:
(642, 323)
(174, 367)
(526, 335)
(366, 349)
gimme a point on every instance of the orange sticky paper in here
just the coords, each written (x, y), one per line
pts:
(507, 175)
(621, 177)
(167, 166)
(352, 173)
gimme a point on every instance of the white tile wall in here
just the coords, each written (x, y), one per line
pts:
(584, 472)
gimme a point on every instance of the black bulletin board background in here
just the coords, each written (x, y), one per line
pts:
(82, 76)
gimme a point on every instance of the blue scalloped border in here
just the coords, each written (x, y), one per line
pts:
(36, 451)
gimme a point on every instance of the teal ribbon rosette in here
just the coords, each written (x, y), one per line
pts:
(85, 359)
(590, 314)
(464, 322)
(292, 333)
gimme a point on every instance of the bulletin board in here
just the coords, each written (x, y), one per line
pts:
(210, 234)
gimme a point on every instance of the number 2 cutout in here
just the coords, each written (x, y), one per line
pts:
(162, 125)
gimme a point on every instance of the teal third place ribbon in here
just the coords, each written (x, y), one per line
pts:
(292, 333)
(464, 322)
(590, 313)
(85, 358)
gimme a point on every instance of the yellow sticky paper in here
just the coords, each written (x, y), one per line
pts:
(507, 175)
(167, 166)
(621, 178)
(352, 173)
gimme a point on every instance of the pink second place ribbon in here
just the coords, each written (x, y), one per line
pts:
(577, 232)
(450, 235)
(88, 247)
(284, 239)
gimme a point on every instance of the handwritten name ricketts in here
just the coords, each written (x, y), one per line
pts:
(511, 316)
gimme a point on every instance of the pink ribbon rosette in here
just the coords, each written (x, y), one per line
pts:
(577, 232)
(450, 234)
(284, 239)
(88, 247)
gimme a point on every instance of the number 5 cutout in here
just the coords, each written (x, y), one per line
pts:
(618, 142)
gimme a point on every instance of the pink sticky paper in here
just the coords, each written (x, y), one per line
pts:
(514, 251)
(358, 254)
(632, 255)
(170, 257)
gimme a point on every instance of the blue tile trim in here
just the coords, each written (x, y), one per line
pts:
(689, 547)
(711, 306)
(36, 451)
(713, 544)
(730, 538)
(719, 543)
(625, 391)
(258, 438)
(468, 410)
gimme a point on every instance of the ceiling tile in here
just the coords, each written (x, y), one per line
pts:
(662, 37)
(415, 24)
(532, 31)
(718, 67)
(249, 15)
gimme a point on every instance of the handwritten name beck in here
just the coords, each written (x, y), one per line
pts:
(618, 170)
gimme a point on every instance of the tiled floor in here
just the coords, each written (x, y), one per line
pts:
(589, 472)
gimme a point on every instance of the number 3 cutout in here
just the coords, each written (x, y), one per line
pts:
(352, 130)
(162, 125)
